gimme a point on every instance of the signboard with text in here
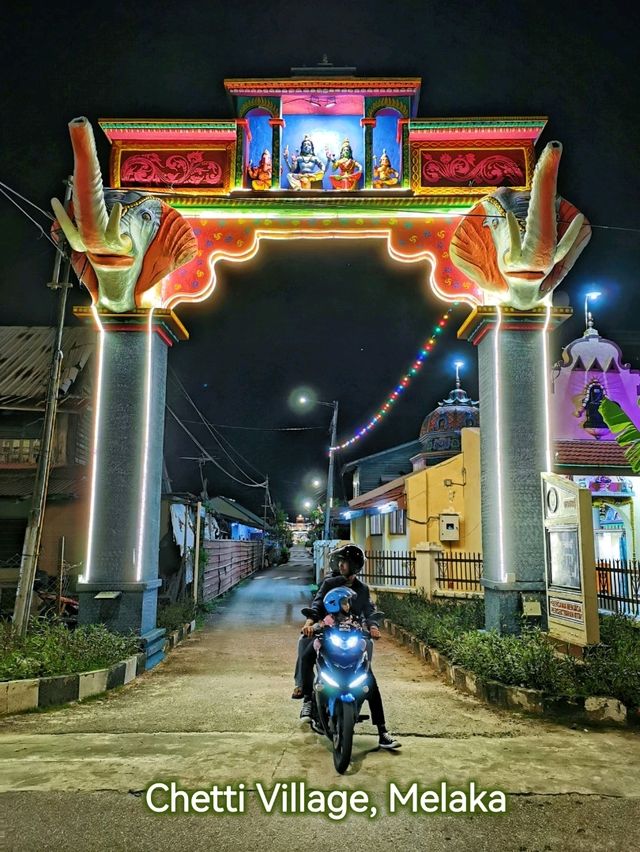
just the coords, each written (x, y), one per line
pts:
(570, 561)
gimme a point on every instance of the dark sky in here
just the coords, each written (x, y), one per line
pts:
(342, 317)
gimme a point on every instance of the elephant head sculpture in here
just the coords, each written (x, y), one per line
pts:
(122, 242)
(518, 246)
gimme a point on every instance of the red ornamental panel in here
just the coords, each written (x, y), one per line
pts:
(174, 168)
(473, 168)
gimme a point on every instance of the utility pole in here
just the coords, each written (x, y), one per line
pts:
(332, 452)
(264, 520)
(33, 533)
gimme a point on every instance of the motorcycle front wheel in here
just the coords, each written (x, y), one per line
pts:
(344, 723)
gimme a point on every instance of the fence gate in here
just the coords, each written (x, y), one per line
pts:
(618, 586)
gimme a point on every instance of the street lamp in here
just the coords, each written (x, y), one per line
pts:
(593, 295)
(458, 365)
(303, 399)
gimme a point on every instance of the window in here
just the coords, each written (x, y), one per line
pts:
(398, 522)
(19, 450)
(375, 524)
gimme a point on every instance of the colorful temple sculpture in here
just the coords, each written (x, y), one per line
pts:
(322, 154)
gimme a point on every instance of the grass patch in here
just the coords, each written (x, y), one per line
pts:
(611, 668)
(52, 649)
(173, 616)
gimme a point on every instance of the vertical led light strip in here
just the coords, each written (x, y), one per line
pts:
(545, 367)
(499, 447)
(94, 451)
(145, 450)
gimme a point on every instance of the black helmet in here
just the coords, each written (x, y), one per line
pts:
(352, 554)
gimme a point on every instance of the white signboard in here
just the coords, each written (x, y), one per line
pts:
(569, 551)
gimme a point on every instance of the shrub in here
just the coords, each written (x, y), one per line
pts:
(611, 668)
(173, 616)
(52, 649)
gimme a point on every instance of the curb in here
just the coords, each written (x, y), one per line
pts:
(18, 696)
(594, 710)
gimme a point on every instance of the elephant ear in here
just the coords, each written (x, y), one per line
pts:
(173, 246)
(566, 215)
(473, 251)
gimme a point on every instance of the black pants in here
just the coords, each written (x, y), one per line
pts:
(307, 660)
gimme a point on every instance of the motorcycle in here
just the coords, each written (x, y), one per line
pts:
(341, 684)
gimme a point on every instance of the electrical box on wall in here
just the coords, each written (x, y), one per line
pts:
(450, 527)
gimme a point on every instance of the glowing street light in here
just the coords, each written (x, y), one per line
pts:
(458, 365)
(307, 504)
(306, 399)
(593, 295)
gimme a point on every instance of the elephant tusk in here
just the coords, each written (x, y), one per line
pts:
(515, 252)
(120, 243)
(68, 228)
(569, 238)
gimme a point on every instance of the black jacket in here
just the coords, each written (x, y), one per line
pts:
(360, 605)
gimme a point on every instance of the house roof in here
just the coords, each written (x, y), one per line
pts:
(378, 456)
(67, 481)
(591, 456)
(391, 492)
(228, 508)
(25, 361)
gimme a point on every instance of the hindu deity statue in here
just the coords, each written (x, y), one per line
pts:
(383, 172)
(260, 175)
(305, 169)
(350, 170)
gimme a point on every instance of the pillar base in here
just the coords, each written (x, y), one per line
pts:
(503, 608)
(133, 607)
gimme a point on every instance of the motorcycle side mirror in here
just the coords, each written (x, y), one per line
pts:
(307, 612)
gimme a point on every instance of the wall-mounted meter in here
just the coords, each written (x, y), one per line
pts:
(450, 527)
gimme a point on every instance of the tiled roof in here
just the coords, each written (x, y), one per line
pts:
(68, 481)
(25, 361)
(591, 454)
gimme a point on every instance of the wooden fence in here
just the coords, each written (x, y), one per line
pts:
(228, 562)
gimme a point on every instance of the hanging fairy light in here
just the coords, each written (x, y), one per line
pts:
(405, 381)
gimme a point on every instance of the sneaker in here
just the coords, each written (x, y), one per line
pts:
(307, 707)
(387, 741)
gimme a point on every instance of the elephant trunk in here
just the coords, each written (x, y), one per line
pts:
(89, 207)
(541, 234)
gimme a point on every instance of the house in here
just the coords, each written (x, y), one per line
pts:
(25, 360)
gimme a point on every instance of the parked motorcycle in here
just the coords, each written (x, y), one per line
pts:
(341, 684)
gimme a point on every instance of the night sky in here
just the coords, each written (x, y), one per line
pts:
(338, 316)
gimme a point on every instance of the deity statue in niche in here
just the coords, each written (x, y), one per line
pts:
(383, 173)
(591, 400)
(350, 170)
(260, 175)
(305, 169)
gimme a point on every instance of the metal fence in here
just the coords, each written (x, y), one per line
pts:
(390, 568)
(618, 586)
(459, 571)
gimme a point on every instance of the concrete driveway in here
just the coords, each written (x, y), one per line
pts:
(218, 712)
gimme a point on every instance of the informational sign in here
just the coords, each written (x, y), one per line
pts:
(570, 561)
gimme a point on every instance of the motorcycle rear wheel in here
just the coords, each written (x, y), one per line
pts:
(345, 720)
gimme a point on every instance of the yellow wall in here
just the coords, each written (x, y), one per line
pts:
(428, 497)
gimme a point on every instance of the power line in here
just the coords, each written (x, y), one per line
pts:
(208, 455)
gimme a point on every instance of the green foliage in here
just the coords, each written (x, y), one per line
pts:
(284, 555)
(625, 431)
(173, 616)
(50, 648)
(611, 668)
(280, 528)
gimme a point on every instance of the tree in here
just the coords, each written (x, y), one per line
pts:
(627, 435)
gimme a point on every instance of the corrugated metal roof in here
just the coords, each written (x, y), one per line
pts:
(228, 508)
(68, 481)
(25, 361)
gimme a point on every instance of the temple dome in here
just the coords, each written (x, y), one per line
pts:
(440, 431)
(592, 352)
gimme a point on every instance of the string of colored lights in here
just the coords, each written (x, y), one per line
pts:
(403, 384)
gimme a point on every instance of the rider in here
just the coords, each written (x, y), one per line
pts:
(349, 560)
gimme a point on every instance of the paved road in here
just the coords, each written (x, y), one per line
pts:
(217, 712)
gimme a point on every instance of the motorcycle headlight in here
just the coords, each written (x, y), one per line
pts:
(335, 640)
(358, 681)
(328, 679)
(351, 642)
